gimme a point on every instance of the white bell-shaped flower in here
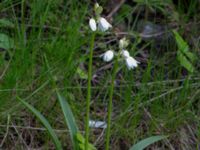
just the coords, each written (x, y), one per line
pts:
(93, 25)
(103, 24)
(108, 55)
(131, 63)
(125, 53)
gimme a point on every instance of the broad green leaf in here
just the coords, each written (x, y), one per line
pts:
(77, 139)
(6, 23)
(6, 42)
(69, 119)
(183, 47)
(184, 56)
(146, 142)
(46, 124)
(184, 62)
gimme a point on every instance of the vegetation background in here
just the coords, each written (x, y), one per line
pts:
(160, 97)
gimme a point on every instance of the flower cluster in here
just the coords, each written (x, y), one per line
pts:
(131, 63)
(99, 22)
(102, 24)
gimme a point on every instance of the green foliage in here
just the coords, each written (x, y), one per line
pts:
(69, 119)
(82, 74)
(124, 12)
(146, 142)
(77, 139)
(185, 57)
(154, 4)
(81, 144)
(6, 23)
(46, 124)
(158, 86)
(6, 42)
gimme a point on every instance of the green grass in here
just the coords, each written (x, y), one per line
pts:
(158, 98)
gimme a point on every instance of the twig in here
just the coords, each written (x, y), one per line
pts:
(100, 136)
(7, 129)
(33, 128)
(20, 137)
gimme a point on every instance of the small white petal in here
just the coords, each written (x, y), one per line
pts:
(93, 25)
(108, 55)
(125, 53)
(131, 63)
(103, 24)
(97, 124)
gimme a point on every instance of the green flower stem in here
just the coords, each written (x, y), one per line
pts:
(110, 104)
(89, 93)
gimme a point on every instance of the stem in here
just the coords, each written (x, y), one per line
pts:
(110, 104)
(89, 92)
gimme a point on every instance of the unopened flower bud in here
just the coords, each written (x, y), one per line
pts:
(93, 25)
(123, 43)
(108, 55)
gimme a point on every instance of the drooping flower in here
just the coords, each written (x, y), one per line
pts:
(108, 55)
(125, 53)
(99, 21)
(131, 63)
(103, 24)
(92, 24)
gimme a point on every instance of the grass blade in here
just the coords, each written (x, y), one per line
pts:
(46, 124)
(69, 119)
(146, 142)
